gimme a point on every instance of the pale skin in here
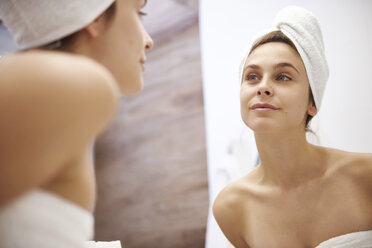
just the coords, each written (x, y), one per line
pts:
(55, 103)
(301, 194)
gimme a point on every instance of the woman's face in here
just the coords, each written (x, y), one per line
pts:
(124, 42)
(274, 93)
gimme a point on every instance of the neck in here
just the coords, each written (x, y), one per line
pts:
(288, 160)
(80, 44)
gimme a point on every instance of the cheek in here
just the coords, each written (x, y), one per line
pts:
(246, 95)
(135, 30)
(298, 105)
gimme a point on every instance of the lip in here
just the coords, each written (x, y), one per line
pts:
(263, 107)
(142, 62)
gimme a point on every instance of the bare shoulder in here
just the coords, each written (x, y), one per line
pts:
(36, 68)
(53, 105)
(230, 212)
(356, 166)
(360, 167)
(228, 201)
(69, 83)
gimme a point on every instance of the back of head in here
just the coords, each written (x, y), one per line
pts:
(35, 23)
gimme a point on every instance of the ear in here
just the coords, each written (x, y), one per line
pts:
(96, 27)
(311, 109)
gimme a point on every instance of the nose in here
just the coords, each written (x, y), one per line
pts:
(264, 92)
(149, 43)
(264, 89)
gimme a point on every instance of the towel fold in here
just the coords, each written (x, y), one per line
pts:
(40, 219)
(103, 244)
(351, 240)
(35, 23)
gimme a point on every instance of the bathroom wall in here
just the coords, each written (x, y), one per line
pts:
(343, 122)
(7, 44)
(151, 162)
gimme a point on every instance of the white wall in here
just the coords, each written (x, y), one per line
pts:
(7, 44)
(345, 119)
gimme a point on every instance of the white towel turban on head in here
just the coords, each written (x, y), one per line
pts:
(303, 29)
(35, 23)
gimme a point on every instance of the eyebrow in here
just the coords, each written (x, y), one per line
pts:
(144, 3)
(280, 65)
(286, 65)
(252, 66)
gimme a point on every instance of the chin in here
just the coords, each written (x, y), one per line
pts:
(261, 129)
(262, 126)
(133, 89)
(129, 80)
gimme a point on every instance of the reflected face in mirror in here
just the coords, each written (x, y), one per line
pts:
(125, 43)
(274, 93)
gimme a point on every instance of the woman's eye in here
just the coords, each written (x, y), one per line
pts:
(283, 78)
(141, 13)
(251, 77)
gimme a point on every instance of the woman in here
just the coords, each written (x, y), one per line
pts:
(301, 195)
(57, 95)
